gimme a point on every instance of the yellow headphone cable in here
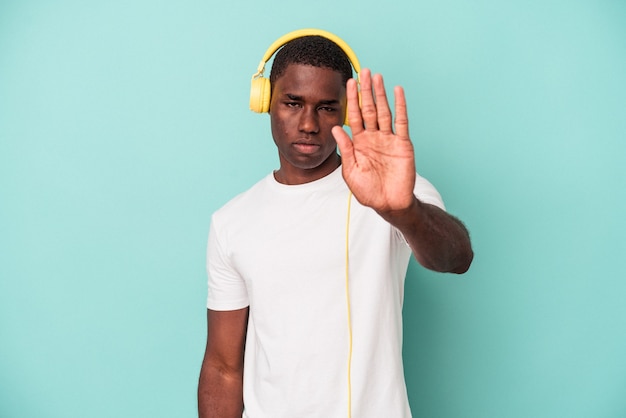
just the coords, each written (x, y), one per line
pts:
(348, 307)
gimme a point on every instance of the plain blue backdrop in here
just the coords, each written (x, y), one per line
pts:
(125, 124)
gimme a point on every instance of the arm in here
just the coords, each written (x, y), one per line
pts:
(379, 167)
(439, 241)
(220, 388)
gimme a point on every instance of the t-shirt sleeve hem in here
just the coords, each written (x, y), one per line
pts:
(227, 306)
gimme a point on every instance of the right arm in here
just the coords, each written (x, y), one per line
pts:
(220, 388)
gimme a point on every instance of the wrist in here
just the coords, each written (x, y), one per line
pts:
(400, 217)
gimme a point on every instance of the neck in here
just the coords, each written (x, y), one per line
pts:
(290, 175)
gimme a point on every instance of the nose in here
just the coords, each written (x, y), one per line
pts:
(309, 122)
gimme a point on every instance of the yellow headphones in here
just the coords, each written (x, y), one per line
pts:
(260, 91)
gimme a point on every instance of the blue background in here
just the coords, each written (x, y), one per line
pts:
(125, 124)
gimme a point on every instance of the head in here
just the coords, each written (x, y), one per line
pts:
(308, 99)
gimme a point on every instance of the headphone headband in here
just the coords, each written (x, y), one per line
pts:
(308, 32)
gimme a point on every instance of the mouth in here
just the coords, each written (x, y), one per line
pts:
(306, 147)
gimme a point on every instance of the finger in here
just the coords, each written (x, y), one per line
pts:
(345, 145)
(368, 106)
(402, 119)
(382, 105)
(354, 109)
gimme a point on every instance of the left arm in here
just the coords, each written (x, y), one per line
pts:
(378, 165)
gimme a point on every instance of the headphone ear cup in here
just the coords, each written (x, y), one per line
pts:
(260, 92)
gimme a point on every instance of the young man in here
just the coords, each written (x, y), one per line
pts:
(277, 253)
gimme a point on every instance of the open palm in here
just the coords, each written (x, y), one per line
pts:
(378, 163)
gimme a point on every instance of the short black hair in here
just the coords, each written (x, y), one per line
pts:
(313, 50)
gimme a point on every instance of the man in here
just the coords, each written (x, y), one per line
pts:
(277, 259)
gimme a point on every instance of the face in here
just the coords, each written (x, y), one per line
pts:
(307, 102)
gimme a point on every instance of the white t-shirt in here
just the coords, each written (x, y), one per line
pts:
(281, 250)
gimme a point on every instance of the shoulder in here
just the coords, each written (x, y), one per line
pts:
(244, 200)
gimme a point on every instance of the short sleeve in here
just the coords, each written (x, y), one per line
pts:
(226, 288)
(427, 193)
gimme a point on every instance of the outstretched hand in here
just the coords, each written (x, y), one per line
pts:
(378, 163)
(378, 166)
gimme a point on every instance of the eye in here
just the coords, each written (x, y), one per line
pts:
(292, 104)
(327, 109)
